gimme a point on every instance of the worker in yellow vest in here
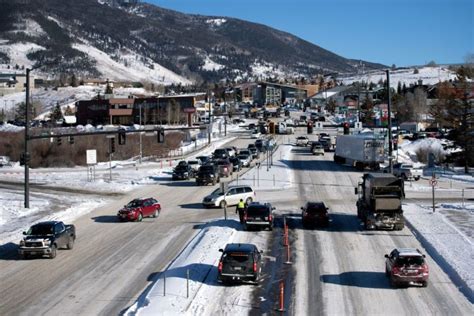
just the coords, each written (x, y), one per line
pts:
(241, 206)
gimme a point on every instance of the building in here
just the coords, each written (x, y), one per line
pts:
(175, 109)
(14, 82)
(269, 93)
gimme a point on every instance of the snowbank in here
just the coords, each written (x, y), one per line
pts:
(447, 236)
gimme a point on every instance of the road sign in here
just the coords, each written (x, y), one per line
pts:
(433, 182)
(91, 156)
(189, 110)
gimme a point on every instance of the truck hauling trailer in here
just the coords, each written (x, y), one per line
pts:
(379, 205)
(360, 151)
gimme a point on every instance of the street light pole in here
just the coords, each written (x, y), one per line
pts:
(390, 144)
(26, 154)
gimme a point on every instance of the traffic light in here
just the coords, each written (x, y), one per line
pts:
(161, 136)
(346, 128)
(112, 145)
(122, 138)
(59, 141)
(71, 140)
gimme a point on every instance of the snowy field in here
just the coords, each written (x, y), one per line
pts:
(429, 76)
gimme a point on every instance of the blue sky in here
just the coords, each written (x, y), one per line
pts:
(400, 32)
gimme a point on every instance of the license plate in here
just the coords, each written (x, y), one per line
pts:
(238, 268)
(33, 253)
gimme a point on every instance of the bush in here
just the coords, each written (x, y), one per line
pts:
(45, 153)
(423, 152)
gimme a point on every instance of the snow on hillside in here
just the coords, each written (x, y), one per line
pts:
(429, 75)
(17, 53)
(64, 96)
(211, 65)
(134, 70)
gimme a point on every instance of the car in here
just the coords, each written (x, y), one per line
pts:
(231, 151)
(261, 145)
(236, 163)
(220, 153)
(255, 134)
(182, 172)
(245, 159)
(225, 167)
(302, 141)
(245, 151)
(137, 209)
(255, 153)
(203, 159)
(314, 214)
(258, 215)
(239, 263)
(194, 164)
(45, 238)
(317, 148)
(231, 196)
(405, 266)
(207, 174)
(405, 171)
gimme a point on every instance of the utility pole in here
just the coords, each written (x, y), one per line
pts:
(225, 117)
(26, 157)
(390, 144)
(140, 135)
(209, 125)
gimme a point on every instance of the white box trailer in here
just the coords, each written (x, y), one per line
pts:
(360, 151)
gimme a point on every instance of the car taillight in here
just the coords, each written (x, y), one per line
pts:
(270, 217)
(254, 267)
(425, 269)
(219, 268)
(395, 270)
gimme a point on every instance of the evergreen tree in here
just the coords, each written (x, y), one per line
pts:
(73, 80)
(56, 113)
(399, 88)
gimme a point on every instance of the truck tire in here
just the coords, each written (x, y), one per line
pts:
(399, 226)
(53, 253)
(404, 177)
(424, 284)
(248, 200)
(70, 243)
(156, 214)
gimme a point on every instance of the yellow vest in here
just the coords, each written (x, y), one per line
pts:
(241, 205)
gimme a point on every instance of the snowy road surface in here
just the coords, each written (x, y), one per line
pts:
(338, 271)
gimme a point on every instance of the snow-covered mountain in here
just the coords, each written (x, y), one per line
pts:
(128, 40)
(428, 76)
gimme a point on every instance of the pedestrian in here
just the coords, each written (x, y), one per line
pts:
(241, 206)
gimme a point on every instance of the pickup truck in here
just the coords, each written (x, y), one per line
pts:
(406, 172)
(46, 238)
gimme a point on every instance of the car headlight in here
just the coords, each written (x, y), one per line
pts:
(47, 242)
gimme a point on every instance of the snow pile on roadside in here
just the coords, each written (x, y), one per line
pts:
(200, 259)
(446, 236)
(7, 127)
(278, 177)
(409, 150)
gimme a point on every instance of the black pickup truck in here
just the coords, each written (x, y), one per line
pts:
(207, 174)
(45, 238)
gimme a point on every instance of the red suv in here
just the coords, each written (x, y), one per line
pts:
(406, 266)
(139, 208)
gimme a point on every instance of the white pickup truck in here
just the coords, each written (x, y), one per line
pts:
(405, 171)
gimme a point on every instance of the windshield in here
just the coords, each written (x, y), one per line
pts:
(258, 210)
(217, 192)
(243, 157)
(410, 261)
(239, 257)
(41, 230)
(134, 203)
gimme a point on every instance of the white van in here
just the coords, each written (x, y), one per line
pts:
(230, 197)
